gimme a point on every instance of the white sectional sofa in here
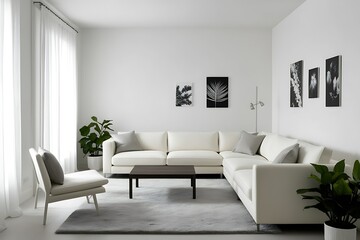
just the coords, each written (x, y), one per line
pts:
(267, 190)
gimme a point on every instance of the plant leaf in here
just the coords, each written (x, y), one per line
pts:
(356, 171)
(84, 131)
(317, 198)
(326, 177)
(315, 177)
(318, 206)
(97, 129)
(93, 137)
(307, 190)
(320, 168)
(341, 187)
(340, 166)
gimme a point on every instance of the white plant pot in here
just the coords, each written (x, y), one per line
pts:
(94, 163)
(332, 233)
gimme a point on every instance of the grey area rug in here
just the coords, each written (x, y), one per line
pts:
(165, 206)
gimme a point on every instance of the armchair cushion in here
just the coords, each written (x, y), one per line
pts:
(53, 167)
(79, 181)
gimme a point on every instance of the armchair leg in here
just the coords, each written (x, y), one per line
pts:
(36, 196)
(45, 211)
(88, 199)
(96, 204)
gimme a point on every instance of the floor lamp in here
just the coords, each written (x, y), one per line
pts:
(254, 106)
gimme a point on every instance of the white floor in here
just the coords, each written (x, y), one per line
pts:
(29, 227)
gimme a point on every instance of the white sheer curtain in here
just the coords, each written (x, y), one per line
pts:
(58, 93)
(10, 136)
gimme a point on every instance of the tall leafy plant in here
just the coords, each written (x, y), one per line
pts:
(93, 135)
(337, 195)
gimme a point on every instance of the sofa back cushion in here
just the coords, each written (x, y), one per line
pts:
(180, 141)
(126, 142)
(227, 140)
(273, 145)
(152, 140)
(248, 143)
(310, 153)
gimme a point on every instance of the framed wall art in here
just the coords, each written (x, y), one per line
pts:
(314, 83)
(184, 94)
(333, 81)
(296, 83)
(217, 92)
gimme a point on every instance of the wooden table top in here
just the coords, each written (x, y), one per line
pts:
(163, 170)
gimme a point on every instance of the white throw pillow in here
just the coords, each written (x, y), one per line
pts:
(126, 142)
(248, 143)
(53, 167)
(288, 155)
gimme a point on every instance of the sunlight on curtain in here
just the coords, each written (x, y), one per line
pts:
(10, 144)
(58, 89)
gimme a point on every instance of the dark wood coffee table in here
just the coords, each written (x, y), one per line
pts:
(147, 171)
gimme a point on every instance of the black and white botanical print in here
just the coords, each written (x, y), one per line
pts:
(217, 93)
(184, 94)
(313, 82)
(333, 81)
(296, 92)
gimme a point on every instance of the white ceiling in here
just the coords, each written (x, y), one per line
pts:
(175, 13)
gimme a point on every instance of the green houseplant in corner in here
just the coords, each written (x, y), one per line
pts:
(338, 196)
(92, 137)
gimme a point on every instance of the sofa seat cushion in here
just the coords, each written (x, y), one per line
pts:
(231, 154)
(79, 181)
(234, 164)
(149, 157)
(243, 180)
(194, 157)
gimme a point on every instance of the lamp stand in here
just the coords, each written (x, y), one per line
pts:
(256, 109)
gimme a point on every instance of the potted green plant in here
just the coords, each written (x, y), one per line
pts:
(338, 196)
(92, 137)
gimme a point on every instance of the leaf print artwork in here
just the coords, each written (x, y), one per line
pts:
(183, 94)
(217, 92)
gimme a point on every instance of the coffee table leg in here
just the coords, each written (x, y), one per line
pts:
(130, 188)
(137, 182)
(194, 187)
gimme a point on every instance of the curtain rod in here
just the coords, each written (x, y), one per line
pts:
(42, 4)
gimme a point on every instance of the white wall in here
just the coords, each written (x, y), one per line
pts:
(317, 30)
(129, 75)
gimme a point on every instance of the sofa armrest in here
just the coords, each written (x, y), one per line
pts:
(108, 152)
(274, 194)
